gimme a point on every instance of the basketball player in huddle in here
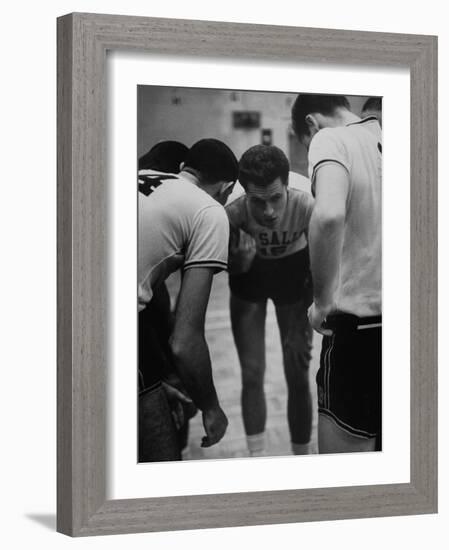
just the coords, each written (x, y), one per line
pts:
(269, 260)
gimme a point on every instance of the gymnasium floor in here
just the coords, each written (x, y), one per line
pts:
(226, 372)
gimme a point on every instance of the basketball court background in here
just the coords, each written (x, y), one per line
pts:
(190, 114)
(226, 373)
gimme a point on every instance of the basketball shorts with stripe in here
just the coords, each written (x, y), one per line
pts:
(349, 380)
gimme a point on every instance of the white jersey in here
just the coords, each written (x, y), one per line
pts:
(176, 218)
(358, 148)
(290, 233)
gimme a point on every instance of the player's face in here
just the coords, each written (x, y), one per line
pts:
(267, 204)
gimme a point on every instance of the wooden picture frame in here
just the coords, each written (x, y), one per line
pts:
(83, 40)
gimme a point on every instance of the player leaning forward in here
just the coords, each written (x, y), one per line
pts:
(345, 156)
(269, 259)
(182, 224)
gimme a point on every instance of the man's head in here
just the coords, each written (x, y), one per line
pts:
(215, 167)
(312, 112)
(263, 173)
(373, 107)
(166, 156)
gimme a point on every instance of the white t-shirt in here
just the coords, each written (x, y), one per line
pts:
(176, 217)
(358, 148)
(289, 234)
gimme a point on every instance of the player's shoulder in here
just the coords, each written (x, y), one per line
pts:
(328, 133)
(182, 198)
(210, 218)
(298, 181)
(298, 199)
(237, 192)
(238, 204)
(188, 194)
(368, 126)
(331, 143)
(298, 194)
(326, 137)
(372, 125)
(150, 180)
(155, 175)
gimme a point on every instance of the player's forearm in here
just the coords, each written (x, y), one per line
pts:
(325, 243)
(193, 364)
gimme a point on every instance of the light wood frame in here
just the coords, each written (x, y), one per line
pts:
(83, 40)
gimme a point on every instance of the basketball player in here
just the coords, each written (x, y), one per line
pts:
(182, 224)
(345, 249)
(269, 259)
(156, 320)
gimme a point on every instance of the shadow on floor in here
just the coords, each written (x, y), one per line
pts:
(46, 520)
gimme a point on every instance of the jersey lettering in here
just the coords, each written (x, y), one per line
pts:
(278, 239)
(263, 237)
(148, 183)
(275, 238)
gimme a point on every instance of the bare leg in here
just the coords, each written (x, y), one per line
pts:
(248, 328)
(333, 439)
(296, 339)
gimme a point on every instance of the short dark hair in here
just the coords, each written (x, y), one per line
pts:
(306, 104)
(372, 104)
(165, 156)
(213, 160)
(262, 164)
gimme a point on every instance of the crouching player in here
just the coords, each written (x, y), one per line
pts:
(269, 259)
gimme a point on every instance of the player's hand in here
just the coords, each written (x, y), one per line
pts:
(215, 424)
(241, 252)
(317, 317)
(176, 399)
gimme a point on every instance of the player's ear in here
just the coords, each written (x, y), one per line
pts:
(312, 123)
(181, 166)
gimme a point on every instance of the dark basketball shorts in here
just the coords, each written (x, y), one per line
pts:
(149, 351)
(349, 380)
(284, 280)
(154, 332)
(158, 439)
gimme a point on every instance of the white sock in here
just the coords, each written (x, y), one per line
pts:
(301, 448)
(256, 444)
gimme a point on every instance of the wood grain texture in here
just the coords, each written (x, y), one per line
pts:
(424, 252)
(64, 276)
(83, 40)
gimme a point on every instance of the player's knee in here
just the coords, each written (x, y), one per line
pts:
(252, 374)
(297, 356)
(297, 374)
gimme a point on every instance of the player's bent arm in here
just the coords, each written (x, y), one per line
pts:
(326, 232)
(188, 343)
(191, 353)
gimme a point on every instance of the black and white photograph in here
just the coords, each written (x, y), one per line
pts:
(231, 243)
(259, 273)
